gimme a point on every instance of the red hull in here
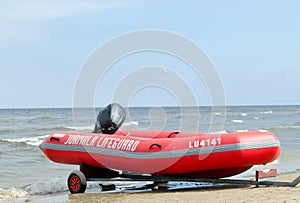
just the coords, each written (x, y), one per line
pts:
(165, 152)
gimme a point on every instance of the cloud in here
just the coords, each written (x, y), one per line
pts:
(37, 9)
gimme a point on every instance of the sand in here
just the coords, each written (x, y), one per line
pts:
(220, 194)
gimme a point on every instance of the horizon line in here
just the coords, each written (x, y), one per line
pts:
(148, 106)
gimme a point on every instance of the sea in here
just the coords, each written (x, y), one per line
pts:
(26, 172)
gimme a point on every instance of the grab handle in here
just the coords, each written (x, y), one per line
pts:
(54, 138)
(158, 145)
(173, 133)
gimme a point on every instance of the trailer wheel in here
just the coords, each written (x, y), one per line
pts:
(76, 182)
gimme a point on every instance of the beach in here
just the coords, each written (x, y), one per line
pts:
(216, 194)
(222, 194)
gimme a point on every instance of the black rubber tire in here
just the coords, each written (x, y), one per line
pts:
(77, 182)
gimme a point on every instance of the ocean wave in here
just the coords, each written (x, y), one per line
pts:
(131, 123)
(7, 131)
(33, 141)
(219, 132)
(54, 185)
(58, 128)
(43, 118)
(237, 121)
(242, 131)
(217, 113)
(10, 131)
(297, 124)
(243, 114)
(88, 128)
(12, 193)
(284, 127)
(266, 166)
(266, 112)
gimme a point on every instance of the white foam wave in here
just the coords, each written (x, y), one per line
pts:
(243, 114)
(33, 141)
(255, 118)
(12, 193)
(54, 185)
(266, 112)
(219, 132)
(237, 121)
(89, 127)
(267, 166)
(217, 113)
(136, 123)
(242, 131)
(263, 131)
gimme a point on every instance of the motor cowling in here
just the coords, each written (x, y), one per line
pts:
(110, 119)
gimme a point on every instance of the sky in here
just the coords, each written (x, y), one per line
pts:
(254, 45)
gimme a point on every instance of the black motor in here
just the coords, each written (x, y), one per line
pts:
(110, 119)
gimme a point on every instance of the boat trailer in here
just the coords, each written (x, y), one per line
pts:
(77, 180)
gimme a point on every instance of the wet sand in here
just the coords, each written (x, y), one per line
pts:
(218, 194)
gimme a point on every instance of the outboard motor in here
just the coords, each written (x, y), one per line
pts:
(110, 119)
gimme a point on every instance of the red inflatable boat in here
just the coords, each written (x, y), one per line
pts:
(184, 154)
(165, 152)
